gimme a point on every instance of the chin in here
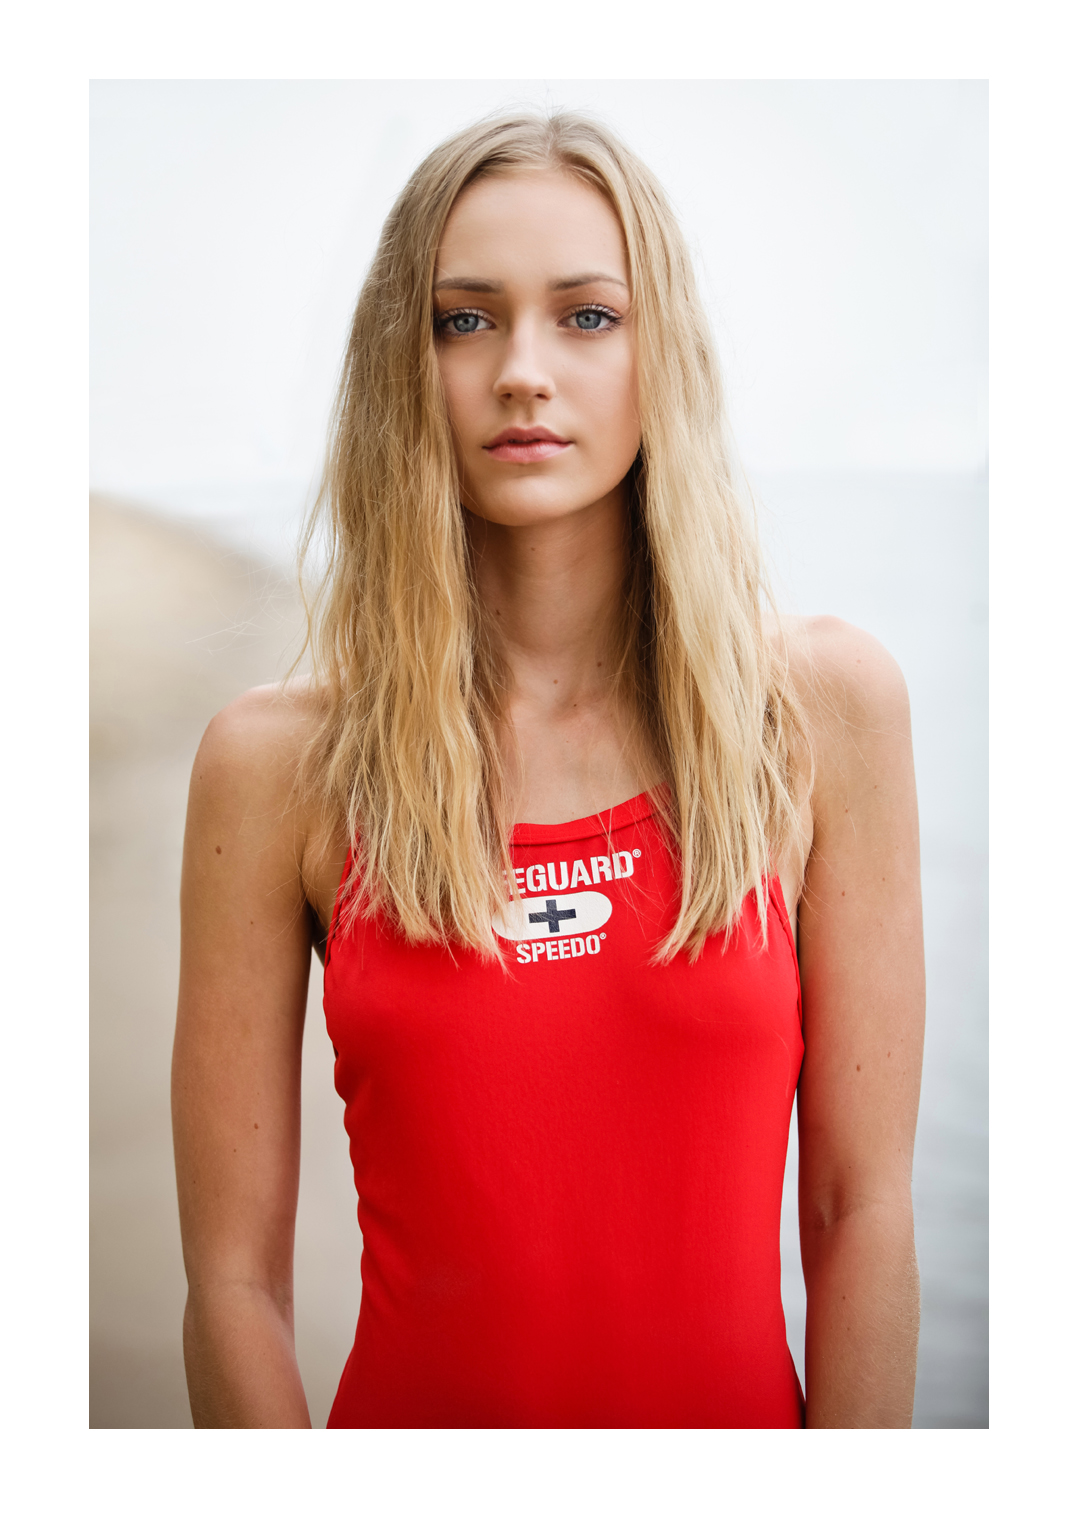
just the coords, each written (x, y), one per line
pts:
(532, 506)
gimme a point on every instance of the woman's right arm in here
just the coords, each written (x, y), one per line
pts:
(236, 1072)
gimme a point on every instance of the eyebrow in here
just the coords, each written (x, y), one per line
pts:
(575, 280)
(496, 287)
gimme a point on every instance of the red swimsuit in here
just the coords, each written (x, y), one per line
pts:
(570, 1175)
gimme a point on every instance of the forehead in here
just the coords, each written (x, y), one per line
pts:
(539, 221)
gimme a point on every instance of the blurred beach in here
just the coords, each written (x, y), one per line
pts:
(187, 612)
(181, 623)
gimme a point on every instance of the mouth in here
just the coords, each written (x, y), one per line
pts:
(526, 444)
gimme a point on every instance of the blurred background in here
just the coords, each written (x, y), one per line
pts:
(839, 231)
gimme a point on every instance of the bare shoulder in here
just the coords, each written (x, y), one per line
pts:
(245, 802)
(849, 685)
(854, 704)
(243, 779)
(250, 752)
(263, 732)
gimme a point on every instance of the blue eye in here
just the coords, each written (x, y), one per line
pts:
(460, 323)
(594, 318)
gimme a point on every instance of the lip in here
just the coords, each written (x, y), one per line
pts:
(526, 444)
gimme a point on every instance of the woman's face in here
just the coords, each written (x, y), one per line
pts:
(536, 347)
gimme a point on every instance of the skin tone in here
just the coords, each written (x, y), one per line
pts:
(534, 332)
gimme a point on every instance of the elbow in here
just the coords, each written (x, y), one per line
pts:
(842, 1218)
(825, 1210)
(214, 1299)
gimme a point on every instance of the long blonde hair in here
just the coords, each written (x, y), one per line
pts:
(412, 688)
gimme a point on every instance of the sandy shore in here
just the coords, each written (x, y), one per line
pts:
(178, 627)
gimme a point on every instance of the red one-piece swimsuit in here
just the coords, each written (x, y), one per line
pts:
(569, 1174)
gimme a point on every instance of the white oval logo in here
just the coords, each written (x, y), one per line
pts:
(552, 916)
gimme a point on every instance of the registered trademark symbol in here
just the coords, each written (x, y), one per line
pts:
(602, 936)
(636, 852)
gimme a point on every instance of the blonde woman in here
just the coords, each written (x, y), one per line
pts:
(560, 808)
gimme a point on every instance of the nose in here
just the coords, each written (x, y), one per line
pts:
(525, 372)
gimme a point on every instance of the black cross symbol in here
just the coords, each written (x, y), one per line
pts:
(552, 915)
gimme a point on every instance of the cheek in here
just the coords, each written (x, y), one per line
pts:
(461, 391)
(613, 398)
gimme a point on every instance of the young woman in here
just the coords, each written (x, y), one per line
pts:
(563, 809)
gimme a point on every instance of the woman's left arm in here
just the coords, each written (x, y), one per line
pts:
(860, 935)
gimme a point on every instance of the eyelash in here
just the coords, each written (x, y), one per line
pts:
(440, 322)
(613, 319)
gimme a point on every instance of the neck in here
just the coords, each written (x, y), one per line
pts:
(552, 593)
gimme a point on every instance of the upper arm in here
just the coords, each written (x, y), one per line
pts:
(243, 981)
(860, 933)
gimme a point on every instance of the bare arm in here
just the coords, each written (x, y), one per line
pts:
(861, 957)
(237, 1066)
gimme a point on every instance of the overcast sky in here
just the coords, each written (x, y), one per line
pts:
(839, 231)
